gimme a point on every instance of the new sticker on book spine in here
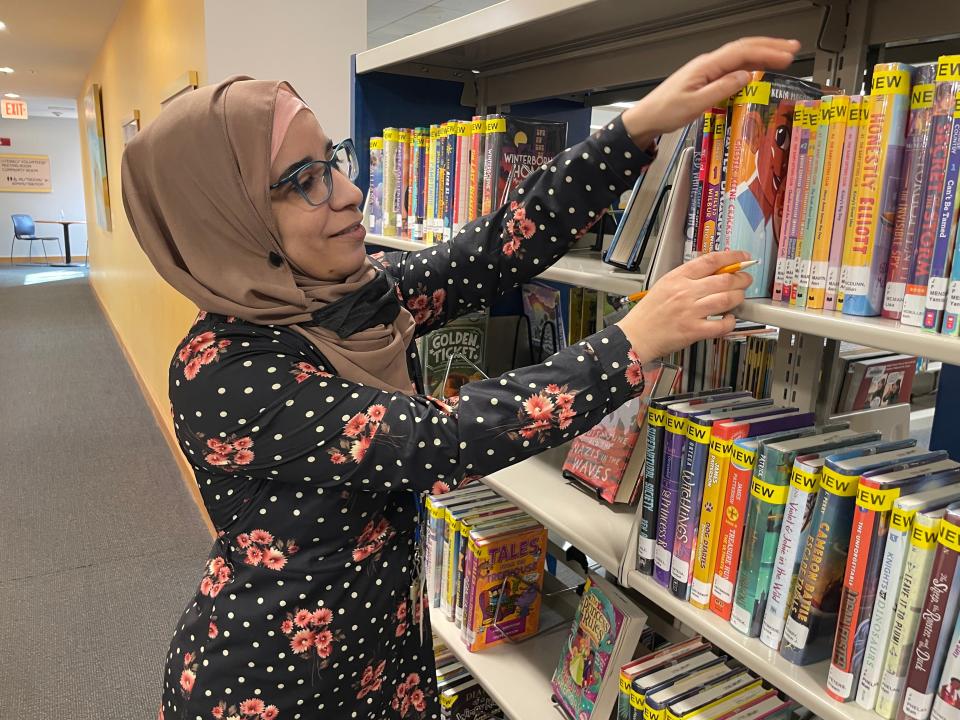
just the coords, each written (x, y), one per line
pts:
(790, 202)
(818, 148)
(669, 491)
(756, 184)
(713, 190)
(916, 166)
(878, 185)
(937, 620)
(948, 95)
(688, 506)
(913, 591)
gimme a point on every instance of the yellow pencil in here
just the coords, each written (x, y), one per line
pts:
(726, 269)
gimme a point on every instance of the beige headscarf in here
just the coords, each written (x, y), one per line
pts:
(196, 192)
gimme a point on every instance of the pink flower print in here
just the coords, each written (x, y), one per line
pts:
(371, 680)
(200, 350)
(303, 618)
(532, 430)
(303, 371)
(402, 610)
(286, 627)
(632, 355)
(270, 712)
(191, 369)
(254, 556)
(418, 700)
(355, 425)
(324, 637)
(217, 711)
(187, 678)
(359, 449)
(565, 418)
(323, 616)
(324, 649)
(215, 590)
(234, 453)
(274, 559)
(338, 458)
(511, 247)
(205, 586)
(538, 407)
(212, 632)
(553, 389)
(371, 541)
(243, 457)
(202, 315)
(253, 706)
(261, 537)
(243, 540)
(302, 641)
(187, 658)
(439, 488)
(242, 444)
(634, 375)
(184, 354)
(418, 302)
(209, 355)
(421, 316)
(376, 413)
(404, 706)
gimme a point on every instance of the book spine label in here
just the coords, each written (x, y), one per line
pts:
(891, 570)
(804, 483)
(468, 633)
(788, 200)
(809, 629)
(915, 167)
(871, 512)
(936, 626)
(688, 507)
(946, 222)
(818, 153)
(714, 490)
(713, 188)
(844, 183)
(866, 107)
(837, 112)
(742, 461)
(799, 202)
(652, 467)
(912, 593)
(494, 128)
(674, 441)
(879, 186)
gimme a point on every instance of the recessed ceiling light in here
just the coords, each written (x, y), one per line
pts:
(475, 72)
(6, 70)
(11, 95)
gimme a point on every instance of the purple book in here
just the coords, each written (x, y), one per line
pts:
(673, 447)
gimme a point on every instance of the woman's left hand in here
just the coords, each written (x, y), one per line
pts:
(703, 82)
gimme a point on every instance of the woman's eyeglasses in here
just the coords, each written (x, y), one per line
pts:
(313, 180)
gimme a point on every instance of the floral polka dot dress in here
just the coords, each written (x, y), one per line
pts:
(304, 608)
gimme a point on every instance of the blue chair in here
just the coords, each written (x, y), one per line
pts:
(24, 229)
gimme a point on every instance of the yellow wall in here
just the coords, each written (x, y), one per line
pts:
(151, 44)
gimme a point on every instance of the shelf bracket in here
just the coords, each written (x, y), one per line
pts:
(796, 368)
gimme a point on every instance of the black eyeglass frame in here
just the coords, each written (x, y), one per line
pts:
(328, 167)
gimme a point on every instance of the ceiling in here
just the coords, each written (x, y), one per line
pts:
(389, 20)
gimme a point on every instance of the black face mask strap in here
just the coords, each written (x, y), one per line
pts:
(376, 303)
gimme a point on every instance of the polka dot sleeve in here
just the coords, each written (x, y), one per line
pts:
(549, 211)
(248, 402)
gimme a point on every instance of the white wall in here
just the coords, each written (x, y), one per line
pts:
(305, 42)
(60, 139)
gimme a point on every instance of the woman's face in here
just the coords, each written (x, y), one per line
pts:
(324, 242)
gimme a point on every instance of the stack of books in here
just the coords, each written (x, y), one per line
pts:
(461, 695)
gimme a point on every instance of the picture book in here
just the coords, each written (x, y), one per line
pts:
(878, 187)
(455, 355)
(665, 656)
(605, 631)
(877, 382)
(916, 167)
(902, 516)
(541, 305)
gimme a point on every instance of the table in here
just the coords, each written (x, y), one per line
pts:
(67, 260)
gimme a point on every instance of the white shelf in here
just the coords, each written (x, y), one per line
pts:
(536, 485)
(871, 331)
(517, 676)
(582, 268)
(805, 684)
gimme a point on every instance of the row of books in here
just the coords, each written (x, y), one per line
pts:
(484, 563)
(785, 529)
(427, 182)
(867, 378)
(461, 695)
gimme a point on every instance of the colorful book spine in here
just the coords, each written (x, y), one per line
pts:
(391, 182)
(652, 469)
(937, 619)
(856, 119)
(406, 155)
(450, 180)
(495, 126)
(947, 217)
(913, 590)
(475, 190)
(794, 229)
(804, 484)
(676, 433)
(743, 457)
(916, 166)
(808, 630)
(946, 705)
(704, 128)
(430, 201)
(703, 171)
(879, 186)
(375, 203)
(850, 231)
(789, 199)
(818, 152)
(422, 164)
(465, 172)
(692, 478)
(951, 316)
(837, 112)
(713, 190)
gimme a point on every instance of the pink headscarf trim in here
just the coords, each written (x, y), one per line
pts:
(287, 106)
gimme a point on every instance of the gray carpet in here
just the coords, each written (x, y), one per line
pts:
(100, 542)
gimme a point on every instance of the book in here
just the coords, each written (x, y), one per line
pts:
(759, 142)
(819, 131)
(713, 188)
(790, 198)
(711, 117)
(836, 130)
(375, 194)
(947, 94)
(916, 167)
(895, 552)
(477, 150)
(916, 576)
(692, 482)
(878, 186)
(809, 117)
(659, 701)
(769, 488)
(773, 708)
(937, 619)
(668, 655)
(455, 354)
(804, 484)
(650, 682)
(604, 634)
(732, 703)
(852, 227)
(811, 625)
(856, 120)
(951, 316)
(946, 704)
(721, 446)
(391, 182)
(635, 228)
(541, 305)
(466, 701)
(877, 382)
(715, 693)
(871, 521)
(652, 473)
(609, 458)
(702, 129)
(406, 155)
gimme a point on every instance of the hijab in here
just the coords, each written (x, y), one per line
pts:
(196, 193)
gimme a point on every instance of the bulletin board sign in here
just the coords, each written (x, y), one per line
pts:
(25, 173)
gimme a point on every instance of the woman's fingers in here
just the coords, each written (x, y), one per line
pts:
(750, 53)
(718, 303)
(716, 328)
(705, 287)
(708, 264)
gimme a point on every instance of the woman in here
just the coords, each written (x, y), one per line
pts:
(296, 394)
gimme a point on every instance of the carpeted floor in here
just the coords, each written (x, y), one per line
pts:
(100, 542)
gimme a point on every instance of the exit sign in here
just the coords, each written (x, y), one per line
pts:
(13, 109)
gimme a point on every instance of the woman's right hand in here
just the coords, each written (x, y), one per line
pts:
(674, 313)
